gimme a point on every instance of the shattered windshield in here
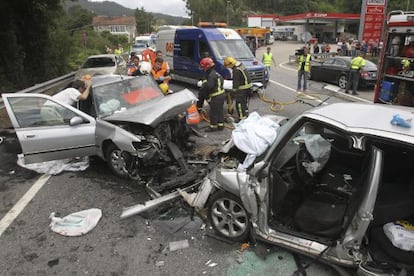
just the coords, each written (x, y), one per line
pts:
(234, 48)
(124, 94)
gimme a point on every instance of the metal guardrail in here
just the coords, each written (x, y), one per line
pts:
(57, 83)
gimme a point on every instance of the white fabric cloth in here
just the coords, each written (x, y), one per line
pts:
(55, 167)
(75, 224)
(228, 84)
(253, 136)
(68, 96)
(400, 236)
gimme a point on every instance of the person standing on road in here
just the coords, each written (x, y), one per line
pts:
(242, 86)
(304, 67)
(79, 91)
(212, 90)
(357, 64)
(53, 113)
(268, 60)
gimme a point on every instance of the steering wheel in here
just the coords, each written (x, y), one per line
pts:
(302, 155)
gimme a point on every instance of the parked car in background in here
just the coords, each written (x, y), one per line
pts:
(102, 65)
(126, 121)
(335, 70)
(335, 185)
(137, 48)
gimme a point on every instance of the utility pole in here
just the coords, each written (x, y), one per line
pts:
(227, 12)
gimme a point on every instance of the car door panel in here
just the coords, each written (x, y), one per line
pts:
(42, 139)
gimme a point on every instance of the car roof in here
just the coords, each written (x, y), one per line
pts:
(370, 119)
(100, 80)
(102, 56)
(348, 59)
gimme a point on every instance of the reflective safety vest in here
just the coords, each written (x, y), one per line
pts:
(357, 63)
(267, 59)
(246, 84)
(306, 60)
(220, 89)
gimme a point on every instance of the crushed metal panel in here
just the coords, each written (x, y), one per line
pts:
(150, 204)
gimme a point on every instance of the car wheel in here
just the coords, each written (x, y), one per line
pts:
(343, 81)
(313, 77)
(116, 161)
(228, 217)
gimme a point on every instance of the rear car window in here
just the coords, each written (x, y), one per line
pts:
(99, 62)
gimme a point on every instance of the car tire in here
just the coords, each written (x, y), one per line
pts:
(314, 77)
(228, 217)
(116, 161)
(343, 81)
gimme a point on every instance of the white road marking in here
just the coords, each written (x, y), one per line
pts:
(22, 203)
(329, 87)
(294, 90)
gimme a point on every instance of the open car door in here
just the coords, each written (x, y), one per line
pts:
(49, 130)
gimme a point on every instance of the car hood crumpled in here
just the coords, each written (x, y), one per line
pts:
(156, 110)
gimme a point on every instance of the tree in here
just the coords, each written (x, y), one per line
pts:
(145, 21)
(25, 31)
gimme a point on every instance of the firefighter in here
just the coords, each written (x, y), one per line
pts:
(212, 90)
(242, 86)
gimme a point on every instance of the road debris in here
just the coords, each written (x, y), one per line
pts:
(178, 245)
(75, 224)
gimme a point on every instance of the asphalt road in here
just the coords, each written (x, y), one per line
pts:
(138, 245)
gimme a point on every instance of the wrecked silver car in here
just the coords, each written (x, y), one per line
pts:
(336, 185)
(126, 121)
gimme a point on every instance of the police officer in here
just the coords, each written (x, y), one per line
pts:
(268, 60)
(304, 68)
(212, 90)
(357, 63)
(242, 86)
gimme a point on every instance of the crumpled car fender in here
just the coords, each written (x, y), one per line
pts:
(120, 137)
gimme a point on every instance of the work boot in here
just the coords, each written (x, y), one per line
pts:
(219, 128)
(355, 93)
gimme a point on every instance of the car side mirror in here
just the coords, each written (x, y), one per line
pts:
(76, 121)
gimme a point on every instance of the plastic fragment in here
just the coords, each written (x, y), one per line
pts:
(244, 246)
(177, 245)
(397, 120)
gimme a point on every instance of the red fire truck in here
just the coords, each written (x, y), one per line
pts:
(395, 84)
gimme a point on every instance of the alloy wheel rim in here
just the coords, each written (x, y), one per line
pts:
(229, 217)
(118, 162)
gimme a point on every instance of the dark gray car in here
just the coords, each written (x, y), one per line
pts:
(336, 69)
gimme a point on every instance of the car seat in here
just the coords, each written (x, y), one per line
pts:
(395, 202)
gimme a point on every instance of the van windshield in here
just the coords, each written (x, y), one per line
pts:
(235, 48)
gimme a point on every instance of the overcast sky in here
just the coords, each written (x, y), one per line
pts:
(170, 7)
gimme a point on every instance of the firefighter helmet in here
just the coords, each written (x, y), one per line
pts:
(230, 62)
(206, 63)
(164, 88)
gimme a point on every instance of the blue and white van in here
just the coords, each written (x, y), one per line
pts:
(184, 47)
